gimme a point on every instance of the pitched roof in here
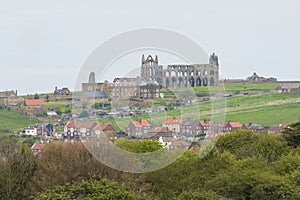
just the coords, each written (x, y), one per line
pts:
(255, 126)
(140, 123)
(79, 124)
(38, 146)
(103, 127)
(179, 143)
(173, 120)
(35, 102)
(208, 123)
(160, 130)
(277, 128)
(190, 122)
(235, 124)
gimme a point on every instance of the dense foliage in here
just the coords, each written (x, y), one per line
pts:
(92, 189)
(242, 165)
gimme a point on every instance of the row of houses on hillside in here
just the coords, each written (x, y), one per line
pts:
(192, 127)
(79, 130)
(175, 125)
(171, 130)
(46, 129)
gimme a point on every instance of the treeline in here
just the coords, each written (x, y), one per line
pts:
(242, 165)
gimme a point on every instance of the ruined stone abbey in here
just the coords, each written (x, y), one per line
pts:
(178, 76)
(154, 77)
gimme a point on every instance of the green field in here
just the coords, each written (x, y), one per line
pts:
(233, 88)
(268, 115)
(12, 121)
(55, 104)
(267, 110)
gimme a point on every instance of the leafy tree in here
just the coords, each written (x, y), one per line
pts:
(292, 134)
(187, 175)
(138, 146)
(270, 148)
(92, 189)
(15, 173)
(239, 143)
(7, 147)
(47, 98)
(63, 163)
(287, 164)
(245, 144)
(271, 186)
(36, 96)
(252, 178)
(198, 194)
(30, 140)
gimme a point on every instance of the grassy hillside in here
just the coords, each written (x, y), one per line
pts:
(267, 110)
(12, 121)
(233, 88)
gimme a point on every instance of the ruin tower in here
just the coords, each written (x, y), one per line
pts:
(92, 77)
(151, 70)
(213, 60)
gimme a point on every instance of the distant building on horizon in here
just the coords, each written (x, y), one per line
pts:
(254, 78)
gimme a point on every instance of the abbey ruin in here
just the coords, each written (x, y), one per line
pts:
(154, 77)
(178, 76)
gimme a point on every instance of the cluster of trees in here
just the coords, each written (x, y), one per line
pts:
(17, 167)
(242, 165)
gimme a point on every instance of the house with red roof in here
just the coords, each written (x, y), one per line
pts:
(37, 148)
(34, 102)
(78, 129)
(156, 132)
(173, 124)
(232, 126)
(256, 128)
(209, 127)
(101, 128)
(34, 107)
(182, 144)
(138, 128)
(277, 129)
(191, 127)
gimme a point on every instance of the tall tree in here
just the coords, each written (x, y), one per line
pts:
(15, 173)
(292, 134)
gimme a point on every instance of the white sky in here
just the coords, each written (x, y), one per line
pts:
(44, 43)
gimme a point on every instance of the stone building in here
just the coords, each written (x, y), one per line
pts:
(34, 107)
(289, 87)
(63, 91)
(255, 78)
(179, 76)
(154, 77)
(116, 89)
(9, 98)
(123, 87)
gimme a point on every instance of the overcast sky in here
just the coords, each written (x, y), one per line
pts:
(43, 44)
